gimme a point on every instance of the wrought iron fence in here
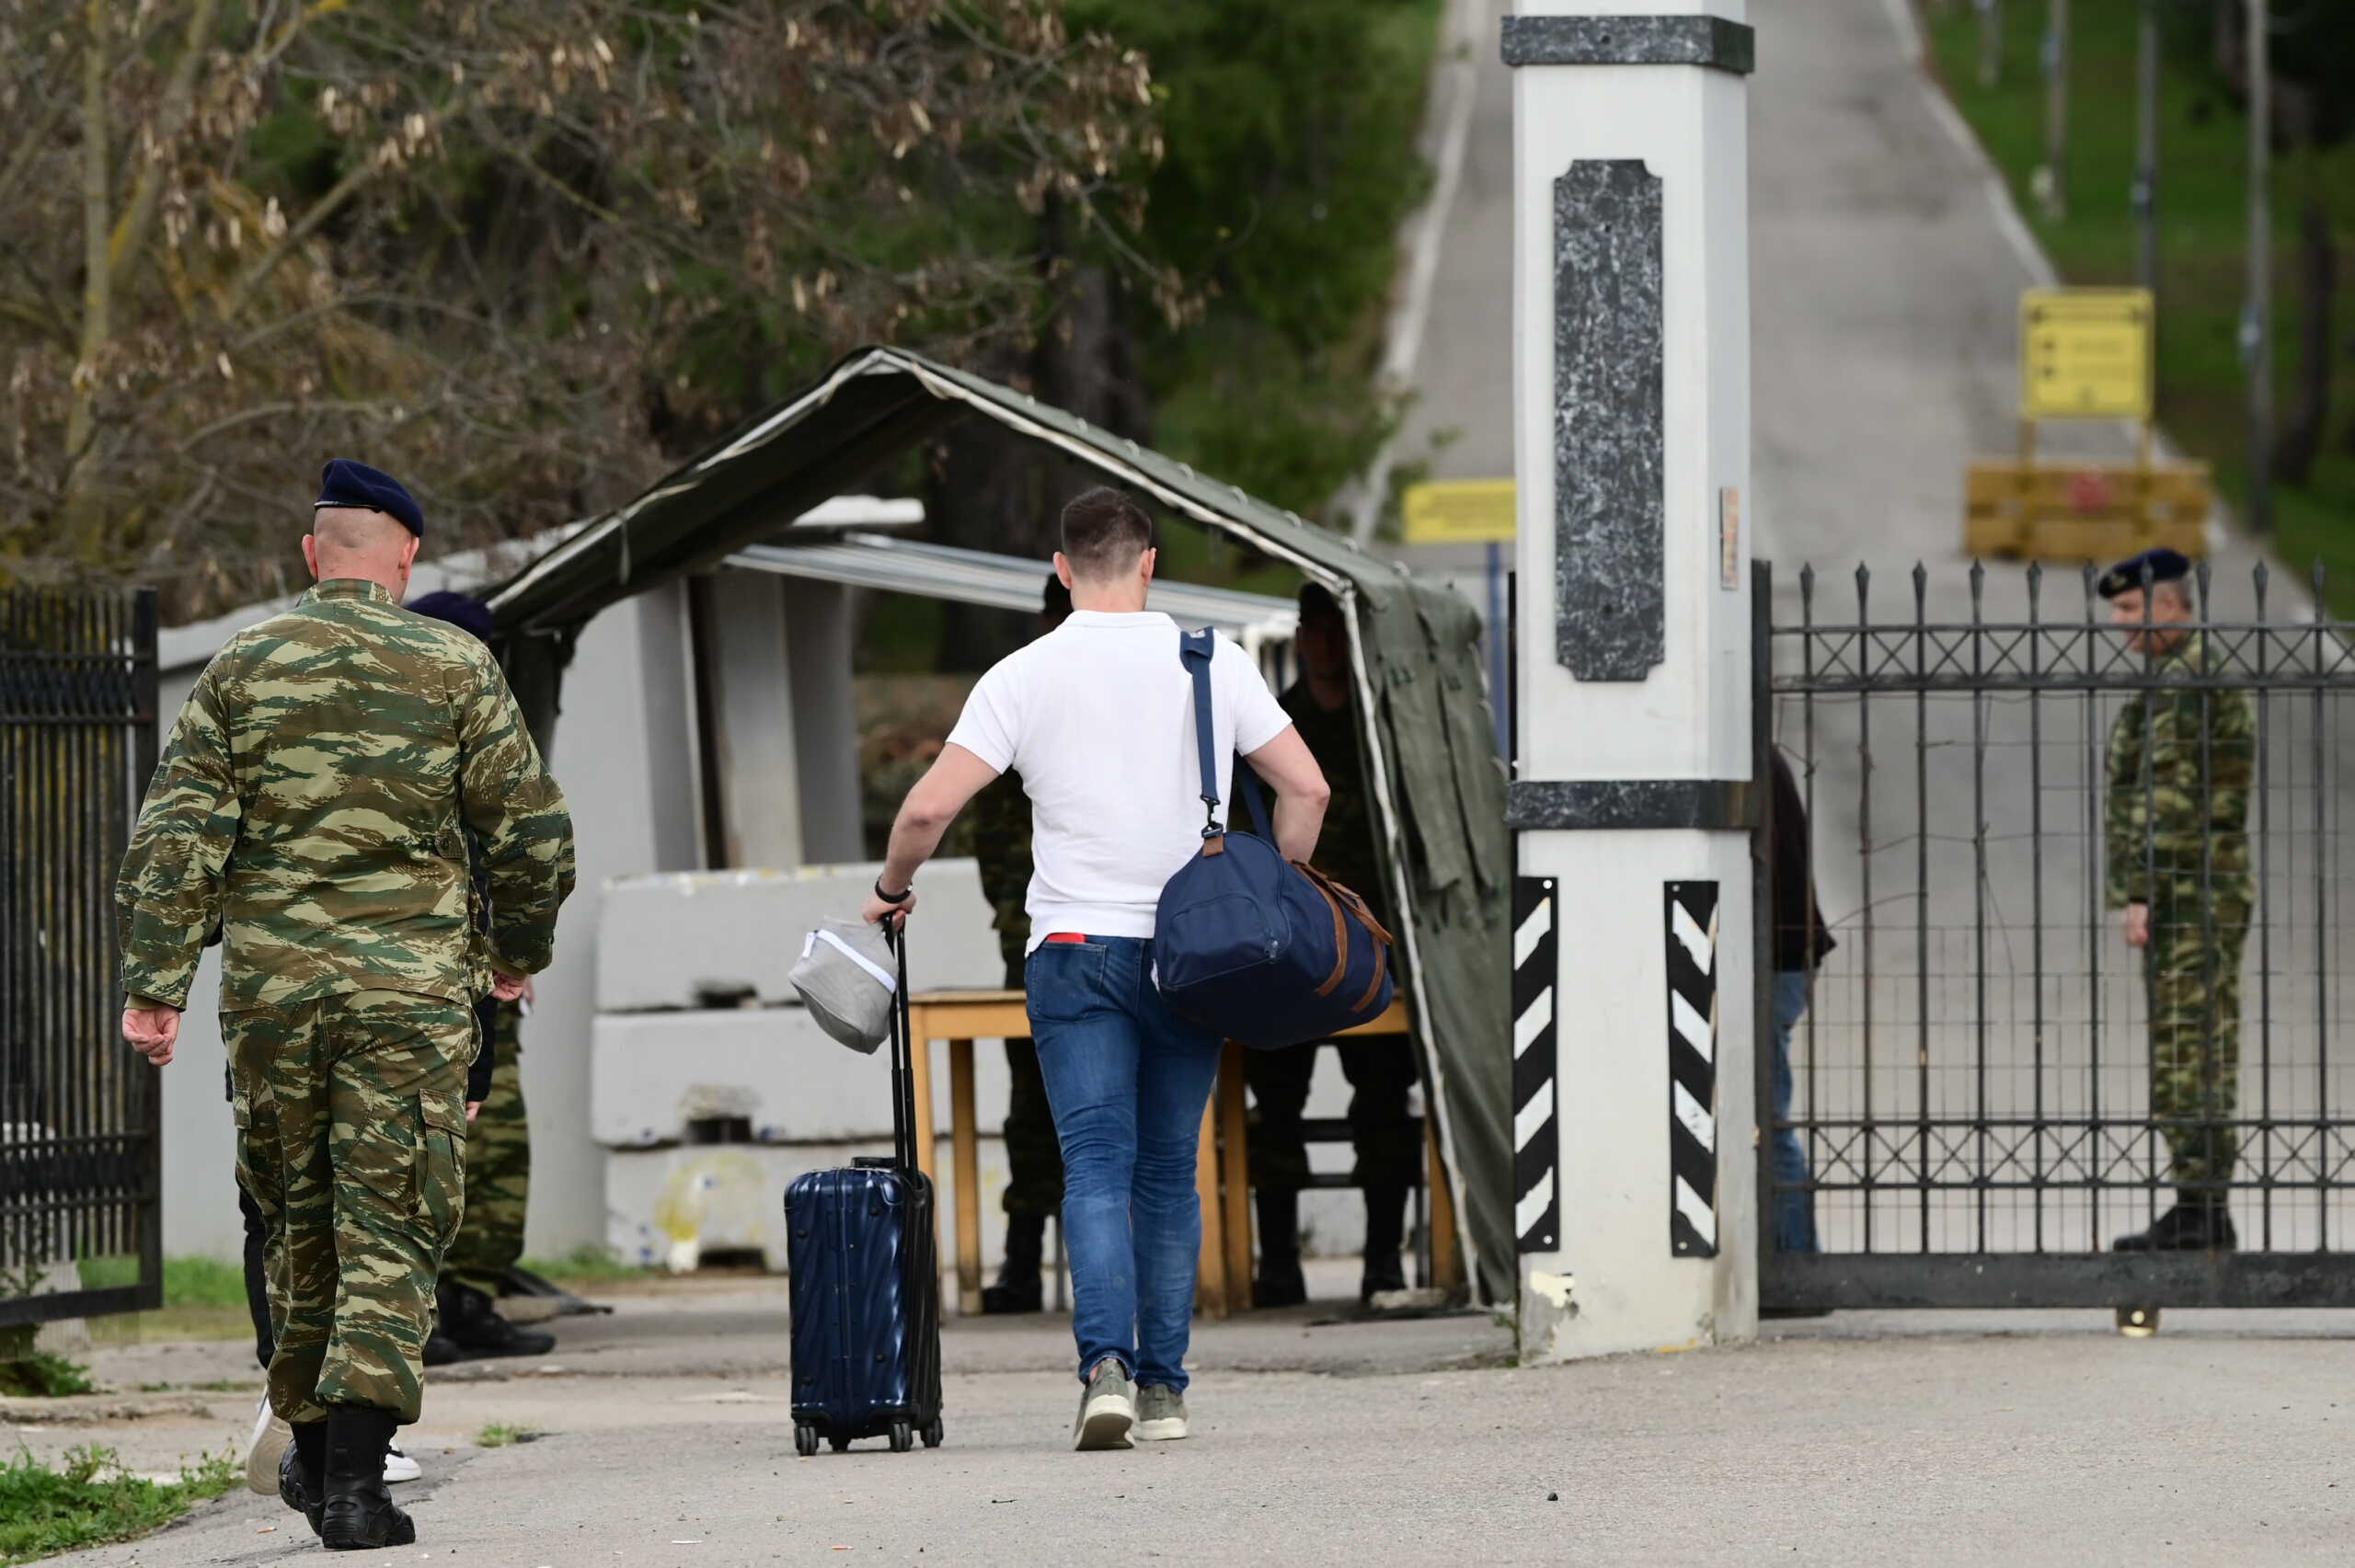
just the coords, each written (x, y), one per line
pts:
(1974, 1078)
(79, 1113)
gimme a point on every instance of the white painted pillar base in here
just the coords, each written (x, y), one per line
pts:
(1659, 97)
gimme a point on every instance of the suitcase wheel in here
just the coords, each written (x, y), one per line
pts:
(903, 1437)
(805, 1438)
(840, 1440)
(932, 1434)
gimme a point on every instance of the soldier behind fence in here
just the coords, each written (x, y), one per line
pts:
(1381, 1068)
(2181, 758)
(311, 805)
(1034, 1188)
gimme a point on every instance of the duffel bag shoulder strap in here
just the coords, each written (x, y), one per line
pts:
(1196, 649)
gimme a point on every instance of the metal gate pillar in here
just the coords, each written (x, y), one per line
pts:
(1635, 1183)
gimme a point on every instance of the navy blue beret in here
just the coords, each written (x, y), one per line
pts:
(343, 482)
(467, 614)
(2161, 565)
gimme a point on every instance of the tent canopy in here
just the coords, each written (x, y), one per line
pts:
(1432, 762)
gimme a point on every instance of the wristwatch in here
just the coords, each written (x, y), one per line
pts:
(900, 898)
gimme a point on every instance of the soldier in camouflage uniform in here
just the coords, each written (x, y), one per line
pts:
(1034, 1189)
(1380, 1069)
(499, 1140)
(311, 805)
(2181, 761)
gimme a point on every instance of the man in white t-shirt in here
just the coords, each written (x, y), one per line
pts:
(1098, 716)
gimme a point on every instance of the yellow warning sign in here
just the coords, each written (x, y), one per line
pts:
(2086, 354)
(1460, 511)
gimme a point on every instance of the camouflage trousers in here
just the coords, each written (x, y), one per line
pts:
(499, 1169)
(2192, 970)
(1380, 1071)
(351, 1141)
(1034, 1159)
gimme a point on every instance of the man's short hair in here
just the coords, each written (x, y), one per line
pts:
(1318, 603)
(1104, 533)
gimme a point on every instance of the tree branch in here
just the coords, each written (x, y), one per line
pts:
(130, 239)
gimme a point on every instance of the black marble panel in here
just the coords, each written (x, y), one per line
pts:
(1609, 480)
(1561, 804)
(1710, 41)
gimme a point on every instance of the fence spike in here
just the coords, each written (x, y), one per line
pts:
(1978, 588)
(1863, 590)
(2035, 590)
(2258, 577)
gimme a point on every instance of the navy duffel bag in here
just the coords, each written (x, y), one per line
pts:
(1268, 951)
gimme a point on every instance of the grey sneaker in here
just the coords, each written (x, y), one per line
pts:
(1106, 1410)
(1161, 1413)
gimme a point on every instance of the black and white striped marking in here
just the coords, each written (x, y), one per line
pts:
(1692, 908)
(1536, 1127)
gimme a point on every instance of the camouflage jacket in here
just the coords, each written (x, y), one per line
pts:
(1001, 852)
(1346, 850)
(2181, 761)
(313, 808)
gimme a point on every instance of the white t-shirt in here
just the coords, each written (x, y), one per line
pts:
(1098, 716)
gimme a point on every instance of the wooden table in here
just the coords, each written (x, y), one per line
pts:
(1222, 1175)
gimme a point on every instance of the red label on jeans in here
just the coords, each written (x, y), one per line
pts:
(1065, 936)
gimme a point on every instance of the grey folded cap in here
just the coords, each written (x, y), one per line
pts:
(845, 979)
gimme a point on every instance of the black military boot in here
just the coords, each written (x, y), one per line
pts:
(440, 1350)
(1017, 1288)
(470, 1323)
(1280, 1283)
(302, 1471)
(2198, 1223)
(358, 1513)
(1385, 1225)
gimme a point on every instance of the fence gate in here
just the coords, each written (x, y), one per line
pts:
(1981, 1098)
(79, 1111)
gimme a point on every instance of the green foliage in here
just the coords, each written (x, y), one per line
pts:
(587, 1264)
(1290, 134)
(499, 1434)
(88, 1502)
(2202, 234)
(38, 1374)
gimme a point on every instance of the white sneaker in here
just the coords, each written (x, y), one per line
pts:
(1107, 1411)
(398, 1466)
(265, 1448)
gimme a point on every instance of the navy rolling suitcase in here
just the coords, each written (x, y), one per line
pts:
(866, 1284)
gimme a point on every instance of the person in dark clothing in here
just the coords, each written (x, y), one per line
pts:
(1801, 940)
(1034, 1188)
(1380, 1069)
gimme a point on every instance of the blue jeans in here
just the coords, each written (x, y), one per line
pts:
(1127, 1079)
(1794, 1198)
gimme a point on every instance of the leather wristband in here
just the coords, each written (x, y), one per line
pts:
(893, 898)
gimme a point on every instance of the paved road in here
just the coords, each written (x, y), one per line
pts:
(1934, 1438)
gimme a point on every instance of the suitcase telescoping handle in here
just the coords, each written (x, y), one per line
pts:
(903, 1069)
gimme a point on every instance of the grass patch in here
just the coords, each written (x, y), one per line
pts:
(2202, 246)
(587, 1263)
(38, 1374)
(187, 1282)
(499, 1434)
(90, 1502)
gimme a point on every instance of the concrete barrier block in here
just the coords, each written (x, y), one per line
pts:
(651, 1074)
(676, 1209)
(682, 940)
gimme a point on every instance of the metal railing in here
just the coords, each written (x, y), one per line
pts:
(80, 1188)
(1974, 1076)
